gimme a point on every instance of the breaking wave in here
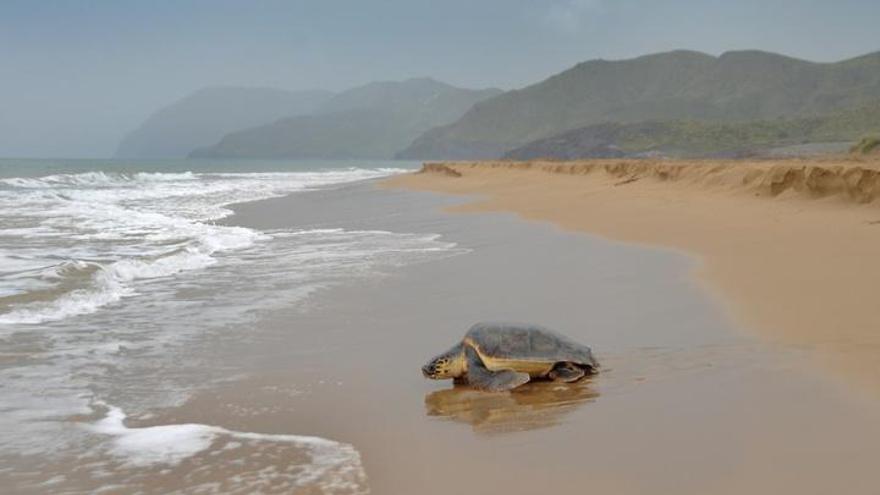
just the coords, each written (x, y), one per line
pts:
(127, 227)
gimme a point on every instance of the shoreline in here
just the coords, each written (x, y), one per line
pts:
(676, 371)
(785, 245)
(365, 387)
(316, 387)
(343, 365)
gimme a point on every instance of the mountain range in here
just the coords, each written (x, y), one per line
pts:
(679, 102)
(737, 86)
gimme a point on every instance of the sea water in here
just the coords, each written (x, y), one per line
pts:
(110, 270)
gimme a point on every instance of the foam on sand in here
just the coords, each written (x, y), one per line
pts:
(310, 462)
(106, 275)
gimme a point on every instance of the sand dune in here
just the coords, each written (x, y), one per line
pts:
(856, 181)
(790, 246)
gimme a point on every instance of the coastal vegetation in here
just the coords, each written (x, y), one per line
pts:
(867, 145)
(690, 138)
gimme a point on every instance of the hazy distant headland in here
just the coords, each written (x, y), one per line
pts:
(372, 121)
(679, 103)
(204, 117)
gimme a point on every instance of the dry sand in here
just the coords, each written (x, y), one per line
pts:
(789, 245)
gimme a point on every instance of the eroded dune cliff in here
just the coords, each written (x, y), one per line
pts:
(850, 179)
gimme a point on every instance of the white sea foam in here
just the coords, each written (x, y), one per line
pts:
(331, 466)
(131, 226)
(106, 279)
(167, 444)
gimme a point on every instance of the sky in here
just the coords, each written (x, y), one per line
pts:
(75, 76)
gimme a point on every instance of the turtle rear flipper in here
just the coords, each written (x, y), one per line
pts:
(566, 372)
(494, 381)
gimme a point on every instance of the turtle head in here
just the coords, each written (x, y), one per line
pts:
(448, 365)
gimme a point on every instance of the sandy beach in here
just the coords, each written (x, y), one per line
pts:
(687, 404)
(787, 246)
(324, 394)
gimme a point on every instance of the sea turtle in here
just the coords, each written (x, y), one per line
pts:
(503, 356)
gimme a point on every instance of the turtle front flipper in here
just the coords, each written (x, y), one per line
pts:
(493, 381)
(566, 372)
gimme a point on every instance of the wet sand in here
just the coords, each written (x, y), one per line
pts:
(687, 404)
(787, 246)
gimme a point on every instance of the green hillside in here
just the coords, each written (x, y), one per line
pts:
(681, 85)
(700, 138)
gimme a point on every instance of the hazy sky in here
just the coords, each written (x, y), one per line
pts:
(76, 75)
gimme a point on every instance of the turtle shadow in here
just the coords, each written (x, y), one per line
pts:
(533, 406)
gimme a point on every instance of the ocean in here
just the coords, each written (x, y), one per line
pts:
(113, 274)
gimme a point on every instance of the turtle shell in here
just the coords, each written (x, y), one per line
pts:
(528, 343)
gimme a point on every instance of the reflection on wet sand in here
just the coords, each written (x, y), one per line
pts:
(532, 406)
